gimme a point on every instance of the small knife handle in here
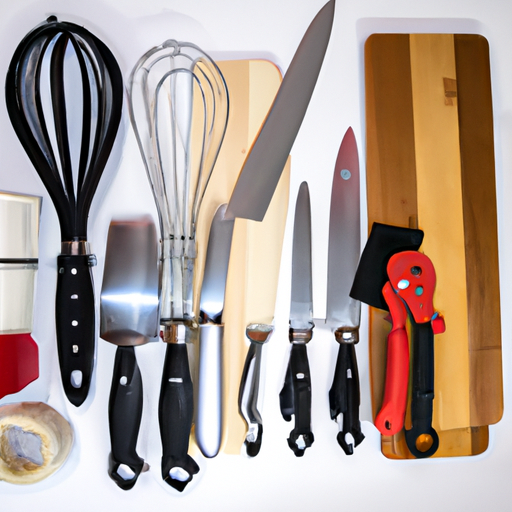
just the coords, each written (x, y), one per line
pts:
(295, 398)
(422, 439)
(75, 324)
(208, 425)
(175, 413)
(390, 419)
(124, 416)
(250, 413)
(344, 397)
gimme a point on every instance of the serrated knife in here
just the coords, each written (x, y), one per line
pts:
(266, 159)
(295, 397)
(343, 312)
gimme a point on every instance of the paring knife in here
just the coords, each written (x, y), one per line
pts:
(295, 397)
(343, 312)
(269, 152)
(208, 427)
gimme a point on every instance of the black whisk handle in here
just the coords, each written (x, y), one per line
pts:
(75, 324)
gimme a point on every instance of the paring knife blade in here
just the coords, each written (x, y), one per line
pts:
(343, 312)
(208, 428)
(265, 162)
(295, 397)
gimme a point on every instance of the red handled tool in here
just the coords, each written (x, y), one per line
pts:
(412, 279)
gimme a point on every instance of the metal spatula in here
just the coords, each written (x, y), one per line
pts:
(129, 317)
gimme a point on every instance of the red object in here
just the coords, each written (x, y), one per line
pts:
(19, 362)
(413, 277)
(412, 280)
(390, 419)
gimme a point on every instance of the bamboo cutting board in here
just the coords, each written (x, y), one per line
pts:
(430, 164)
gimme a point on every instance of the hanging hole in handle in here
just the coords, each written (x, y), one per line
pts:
(76, 379)
(125, 472)
(123, 380)
(74, 296)
(424, 442)
(387, 425)
(179, 474)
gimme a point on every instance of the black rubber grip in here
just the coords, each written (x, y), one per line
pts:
(175, 413)
(124, 416)
(75, 324)
(295, 398)
(344, 397)
(422, 439)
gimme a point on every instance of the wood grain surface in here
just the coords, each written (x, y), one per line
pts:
(430, 163)
(256, 247)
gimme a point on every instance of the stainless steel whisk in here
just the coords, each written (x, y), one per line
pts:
(179, 105)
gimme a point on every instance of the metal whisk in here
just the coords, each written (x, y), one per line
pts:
(179, 107)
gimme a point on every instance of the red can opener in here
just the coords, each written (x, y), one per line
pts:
(411, 285)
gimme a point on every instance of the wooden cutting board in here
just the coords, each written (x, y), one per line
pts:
(256, 247)
(430, 164)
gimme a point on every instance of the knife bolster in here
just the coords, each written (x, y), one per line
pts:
(347, 335)
(300, 336)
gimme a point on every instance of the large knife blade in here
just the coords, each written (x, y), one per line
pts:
(266, 159)
(295, 397)
(343, 312)
(208, 428)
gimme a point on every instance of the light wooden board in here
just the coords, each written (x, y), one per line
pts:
(430, 163)
(256, 246)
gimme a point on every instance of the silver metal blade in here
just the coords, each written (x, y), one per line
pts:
(216, 265)
(301, 306)
(344, 237)
(265, 162)
(129, 294)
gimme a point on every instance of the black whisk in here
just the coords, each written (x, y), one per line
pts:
(69, 148)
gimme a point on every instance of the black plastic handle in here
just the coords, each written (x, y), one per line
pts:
(124, 416)
(175, 413)
(344, 397)
(295, 398)
(75, 317)
(422, 439)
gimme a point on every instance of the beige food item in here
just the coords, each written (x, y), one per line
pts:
(35, 440)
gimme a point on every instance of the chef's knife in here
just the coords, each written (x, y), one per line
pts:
(343, 312)
(269, 152)
(208, 427)
(295, 397)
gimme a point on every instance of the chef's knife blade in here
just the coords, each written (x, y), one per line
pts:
(208, 428)
(265, 162)
(295, 397)
(343, 312)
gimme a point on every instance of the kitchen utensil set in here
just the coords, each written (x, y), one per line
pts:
(64, 93)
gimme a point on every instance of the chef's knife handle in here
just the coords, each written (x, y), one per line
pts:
(390, 419)
(344, 397)
(124, 416)
(295, 398)
(208, 425)
(75, 324)
(422, 439)
(175, 412)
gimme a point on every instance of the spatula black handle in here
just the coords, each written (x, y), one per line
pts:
(124, 416)
(75, 324)
(175, 413)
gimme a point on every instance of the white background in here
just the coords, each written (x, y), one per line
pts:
(275, 480)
